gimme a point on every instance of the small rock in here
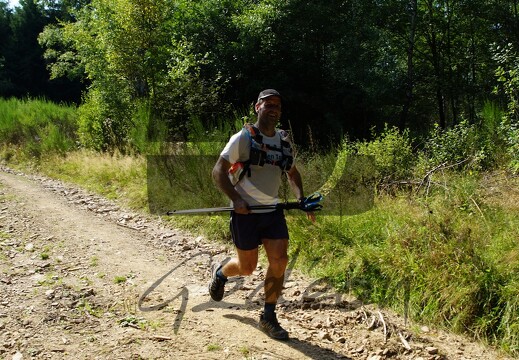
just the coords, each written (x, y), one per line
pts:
(127, 216)
(425, 329)
(307, 298)
(359, 350)
(341, 340)
(49, 294)
(375, 357)
(17, 356)
(29, 247)
(431, 350)
(290, 284)
(88, 292)
(325, 336)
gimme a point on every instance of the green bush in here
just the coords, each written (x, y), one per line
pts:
(105, 119)
(507, 74)
(460, 145)
(393, 153)
(511, 133)
(492, 135)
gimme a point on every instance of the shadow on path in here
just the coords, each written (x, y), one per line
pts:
(309, 350)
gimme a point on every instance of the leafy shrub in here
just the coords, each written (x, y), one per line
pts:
(511, 132)
(393, 153)
(492, 135)
(105, 119)
(459, 145)
(507, 74)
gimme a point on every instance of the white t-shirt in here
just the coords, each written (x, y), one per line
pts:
(262, 187)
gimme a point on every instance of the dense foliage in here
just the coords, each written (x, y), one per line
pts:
(23, 70)
(152, 66)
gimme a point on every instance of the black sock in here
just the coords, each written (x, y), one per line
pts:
(220, 274)
(269, 312)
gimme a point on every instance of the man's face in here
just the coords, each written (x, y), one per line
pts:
(269, 109)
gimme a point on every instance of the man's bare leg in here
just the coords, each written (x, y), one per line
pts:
(278, 259)
(242, 265)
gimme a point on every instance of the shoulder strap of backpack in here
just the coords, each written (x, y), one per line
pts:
(254, 133)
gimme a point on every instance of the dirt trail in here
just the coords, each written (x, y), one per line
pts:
(81, 278)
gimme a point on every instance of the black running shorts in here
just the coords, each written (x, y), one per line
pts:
(249, 229)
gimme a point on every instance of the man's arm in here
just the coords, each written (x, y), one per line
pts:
(221, 177)
(296, 184)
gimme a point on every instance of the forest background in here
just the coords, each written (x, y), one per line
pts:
(416, 101)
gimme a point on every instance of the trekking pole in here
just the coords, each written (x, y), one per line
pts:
(308, 204)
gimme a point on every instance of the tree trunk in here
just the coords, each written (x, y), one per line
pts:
(413, 4)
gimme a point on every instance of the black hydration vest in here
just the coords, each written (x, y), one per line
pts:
(258, 153)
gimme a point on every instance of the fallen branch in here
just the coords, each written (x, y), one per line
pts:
(136, 228)
(404, 341)
(443, 166)
(384, 324)
(373, 324)
(161, 338)
(365, 316)
(477, 207)
(427, 177)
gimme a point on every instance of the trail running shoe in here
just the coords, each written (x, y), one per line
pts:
(272, 328)
(216, 286)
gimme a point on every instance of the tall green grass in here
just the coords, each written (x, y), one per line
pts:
(425, 232)
(37, 127)
(450, 259)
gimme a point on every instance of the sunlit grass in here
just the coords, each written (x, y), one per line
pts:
(114, 176)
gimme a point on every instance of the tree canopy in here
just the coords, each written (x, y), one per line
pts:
(343, 66)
